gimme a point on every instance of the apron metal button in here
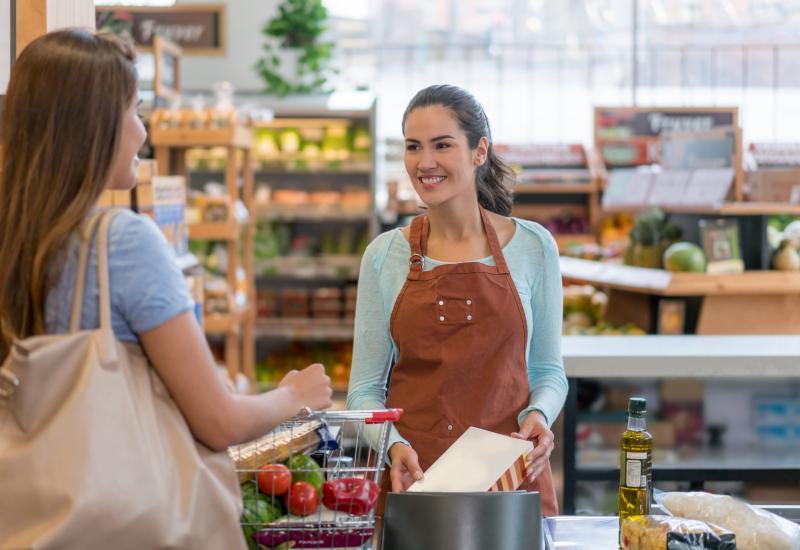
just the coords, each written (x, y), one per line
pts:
(450, 427)
(469, 302)
(441, 318)
(469, 317)
(441, 302)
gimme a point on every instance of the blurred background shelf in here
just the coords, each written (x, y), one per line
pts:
(307, 329)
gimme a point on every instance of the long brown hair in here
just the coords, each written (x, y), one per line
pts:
(66, 99)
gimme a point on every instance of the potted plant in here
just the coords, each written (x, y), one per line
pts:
(296, 61)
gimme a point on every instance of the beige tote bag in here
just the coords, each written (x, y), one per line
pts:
(94, 453)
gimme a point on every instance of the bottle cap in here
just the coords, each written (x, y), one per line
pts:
(637, 405)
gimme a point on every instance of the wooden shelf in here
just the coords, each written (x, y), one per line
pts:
(223, 323)
(218, 231)
(308, 329)
(237, 136)
(554, 188)
(663, 283)
(272, 213)
(726, 209)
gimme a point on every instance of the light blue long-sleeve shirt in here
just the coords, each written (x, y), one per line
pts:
(532, 258)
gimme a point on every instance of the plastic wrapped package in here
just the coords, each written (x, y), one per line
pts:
(674, 533)
(755, 529)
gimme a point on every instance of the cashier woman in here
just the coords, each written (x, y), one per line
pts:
(458, 319)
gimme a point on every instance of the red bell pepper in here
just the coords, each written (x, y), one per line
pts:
(352, 495)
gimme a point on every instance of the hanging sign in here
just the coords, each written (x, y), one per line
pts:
(197, 29)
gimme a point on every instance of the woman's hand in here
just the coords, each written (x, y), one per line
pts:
(534, 428)
(309, 387)
(405, 467)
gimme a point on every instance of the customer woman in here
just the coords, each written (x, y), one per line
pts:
(458, 318)
(70, 130)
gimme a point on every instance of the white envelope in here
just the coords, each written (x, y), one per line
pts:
(474, 463)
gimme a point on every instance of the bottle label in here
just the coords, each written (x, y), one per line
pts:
(636, 470)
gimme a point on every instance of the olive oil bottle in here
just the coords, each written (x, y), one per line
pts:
(636, 453)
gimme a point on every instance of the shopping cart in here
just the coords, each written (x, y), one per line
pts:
(329, 452)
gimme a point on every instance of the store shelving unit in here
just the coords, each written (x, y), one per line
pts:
(301, 171)
(633, 292)
(170, 146)
(706, 358)
(555, 179)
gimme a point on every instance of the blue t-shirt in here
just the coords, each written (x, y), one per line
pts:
(532, 258)
(147, 287)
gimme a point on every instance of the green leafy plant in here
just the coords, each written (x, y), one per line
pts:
(299, 25)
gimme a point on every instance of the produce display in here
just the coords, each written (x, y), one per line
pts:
(333, 144)
(584, 314)
(683, 256)
(336, 358)
(650, 236)
(291, 249)
(783, 236)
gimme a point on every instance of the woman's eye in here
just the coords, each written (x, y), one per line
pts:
(443, 146)
(412, 147)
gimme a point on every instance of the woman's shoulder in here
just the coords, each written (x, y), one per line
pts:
(535, 235)
(131, 232)
(386, 249)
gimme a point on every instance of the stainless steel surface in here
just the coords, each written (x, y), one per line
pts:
(463, 521)
(581, 533)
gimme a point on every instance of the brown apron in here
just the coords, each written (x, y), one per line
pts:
(461, 334)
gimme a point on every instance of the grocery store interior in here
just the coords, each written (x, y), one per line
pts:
(658, 141)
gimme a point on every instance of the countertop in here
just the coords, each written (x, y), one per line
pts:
(581, 533)
(681, 356)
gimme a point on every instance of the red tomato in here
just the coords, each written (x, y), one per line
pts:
(302, 499)
(274, 479)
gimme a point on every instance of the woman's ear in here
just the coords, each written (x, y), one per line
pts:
(481, 152)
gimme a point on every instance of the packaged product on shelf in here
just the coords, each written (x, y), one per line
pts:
(294, 302)
(267, 303)
(674, 533)
(326, 302)
(325, 199)
(213, 209)
(356, 199)
(290, 197)
(218, 296)
(163, 199)
(350, 293)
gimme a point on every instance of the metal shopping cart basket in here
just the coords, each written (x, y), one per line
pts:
(335, 461)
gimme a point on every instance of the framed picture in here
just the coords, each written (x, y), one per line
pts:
(167, 58)
(721, 244)
(671, 316)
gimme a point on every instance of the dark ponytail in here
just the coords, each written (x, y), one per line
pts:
(493, 177)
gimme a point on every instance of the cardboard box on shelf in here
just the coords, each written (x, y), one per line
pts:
(478, 461)
(164, 200)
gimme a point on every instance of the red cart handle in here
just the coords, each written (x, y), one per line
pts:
(389, 415)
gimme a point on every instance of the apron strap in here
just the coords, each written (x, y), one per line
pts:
(418, 240)
(494, 243)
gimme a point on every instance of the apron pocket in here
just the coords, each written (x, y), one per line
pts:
(454, 310)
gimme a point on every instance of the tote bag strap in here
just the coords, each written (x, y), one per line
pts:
(98, 225)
